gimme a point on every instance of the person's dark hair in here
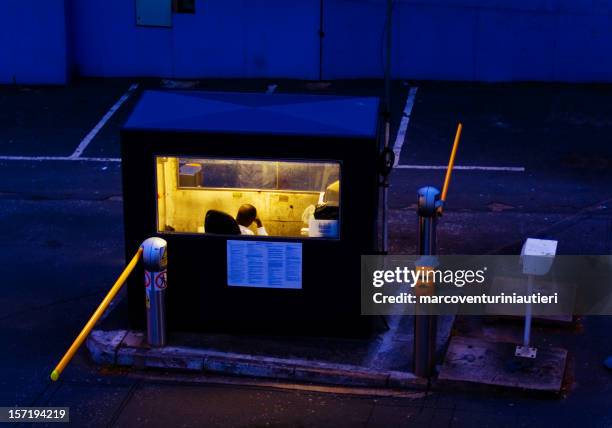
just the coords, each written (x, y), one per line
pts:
(246, 215)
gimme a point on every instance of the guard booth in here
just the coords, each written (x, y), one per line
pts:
(307, 164)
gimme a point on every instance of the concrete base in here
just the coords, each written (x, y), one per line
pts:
(129, 348)
(477, 361)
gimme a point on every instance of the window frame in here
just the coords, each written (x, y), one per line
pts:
(253, 237)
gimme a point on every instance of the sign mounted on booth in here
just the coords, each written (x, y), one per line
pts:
(264, 264)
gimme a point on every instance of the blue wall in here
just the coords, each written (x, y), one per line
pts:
(225, 38)
(480, 40)
(33, 42)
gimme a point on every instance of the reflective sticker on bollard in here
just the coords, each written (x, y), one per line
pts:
(160, 280)
(147, 279)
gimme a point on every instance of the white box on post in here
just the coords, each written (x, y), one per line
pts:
(537, 256)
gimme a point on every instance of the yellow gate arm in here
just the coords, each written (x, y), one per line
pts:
(55, 374)
(451, 163)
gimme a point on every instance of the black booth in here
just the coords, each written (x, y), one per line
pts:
(267, 202)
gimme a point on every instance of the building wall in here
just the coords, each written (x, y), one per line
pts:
(229, 38)
(33, 42)
(41, 41)
(478, 40)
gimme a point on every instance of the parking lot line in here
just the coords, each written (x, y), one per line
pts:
(95, 159)
(92, 134)
(57, 158)
(397, 147)
(76, 156)
(401, 132)
(466, 167)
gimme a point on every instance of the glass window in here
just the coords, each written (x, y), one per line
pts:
(248, 197)
(184, 6)
(154, 13)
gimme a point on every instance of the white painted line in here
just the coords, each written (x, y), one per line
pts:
(271, 89)
(421, 167)
(92, 134)
(466, 167)
(401, 132)
(57, 158)
(86, 159)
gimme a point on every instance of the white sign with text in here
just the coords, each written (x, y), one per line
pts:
(264, 264)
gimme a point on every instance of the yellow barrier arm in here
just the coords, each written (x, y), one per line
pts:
(451, 163)
(55, 374)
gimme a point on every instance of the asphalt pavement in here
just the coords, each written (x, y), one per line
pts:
(537, 162)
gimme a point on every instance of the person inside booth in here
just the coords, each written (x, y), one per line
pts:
(295, 198)
(247, 215)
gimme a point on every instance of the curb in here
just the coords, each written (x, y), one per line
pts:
(128, 348)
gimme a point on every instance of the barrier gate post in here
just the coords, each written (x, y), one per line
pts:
(429, 207)
(425, 325)
(155, 261)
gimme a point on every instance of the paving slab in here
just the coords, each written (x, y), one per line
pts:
(478, 361)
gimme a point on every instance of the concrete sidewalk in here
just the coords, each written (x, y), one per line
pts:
(128, 348)
(382, 360)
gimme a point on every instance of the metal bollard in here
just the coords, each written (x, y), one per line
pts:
(425, 325)
(155, 261)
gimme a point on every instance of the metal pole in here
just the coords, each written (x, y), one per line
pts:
(385, 231)
(155, 262)
(528, 314)
(387, 114)
(425, 325)
(526, 351)
(429, 207)
(388, 57)
(537, 257)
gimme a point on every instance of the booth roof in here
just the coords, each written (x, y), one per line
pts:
(255, 113)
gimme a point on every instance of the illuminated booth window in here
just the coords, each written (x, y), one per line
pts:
(248, 197)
